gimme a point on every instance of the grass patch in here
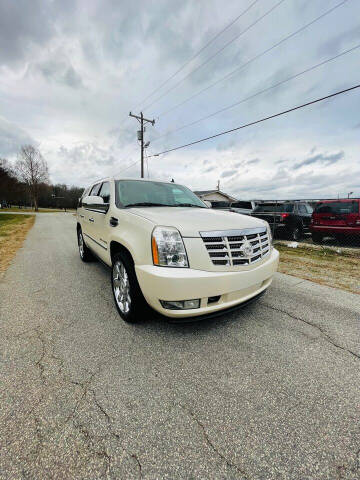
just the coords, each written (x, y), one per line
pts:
(322, 265)
(41, 210)
(13, 230)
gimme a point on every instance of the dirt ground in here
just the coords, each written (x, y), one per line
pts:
(13, 230)
(339, 268)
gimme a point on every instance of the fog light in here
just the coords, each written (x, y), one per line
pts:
(180, 304)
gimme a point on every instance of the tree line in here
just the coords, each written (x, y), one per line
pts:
(26, 183)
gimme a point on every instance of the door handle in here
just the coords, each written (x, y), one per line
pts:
(91, 220)
(82, 216)
(113, 222)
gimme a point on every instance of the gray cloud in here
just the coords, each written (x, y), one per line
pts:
(340, 42)
(58, 70)
(228, 173)
(11, 138)
(327, 159)
(22, 24)
(88, 63)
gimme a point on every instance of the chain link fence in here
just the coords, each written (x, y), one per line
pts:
(333, 223)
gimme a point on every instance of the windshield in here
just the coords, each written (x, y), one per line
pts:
(337, 207)
(131, 193)
(275, 208)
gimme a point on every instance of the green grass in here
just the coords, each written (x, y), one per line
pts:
(9, 220)
(41, 210)
(13, 230)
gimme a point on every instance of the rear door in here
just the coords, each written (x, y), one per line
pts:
(101, 223)
(89, 220)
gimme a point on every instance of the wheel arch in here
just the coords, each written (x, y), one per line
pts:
(117, 247)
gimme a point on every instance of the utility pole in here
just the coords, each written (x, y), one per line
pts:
(142, 122)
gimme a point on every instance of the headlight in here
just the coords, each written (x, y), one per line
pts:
(168, 248)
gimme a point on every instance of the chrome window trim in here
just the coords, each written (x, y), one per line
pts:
(232, 233)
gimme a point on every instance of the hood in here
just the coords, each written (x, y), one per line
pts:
(190, 221)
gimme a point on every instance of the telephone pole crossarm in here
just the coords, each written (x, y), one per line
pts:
(144, 119)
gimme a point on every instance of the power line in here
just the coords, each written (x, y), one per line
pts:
(126, 168)
(198, 52)
(292, 77)
(260, 120)
(229, 75)
(214, 55)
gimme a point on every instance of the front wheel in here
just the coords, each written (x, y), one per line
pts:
(129, 300)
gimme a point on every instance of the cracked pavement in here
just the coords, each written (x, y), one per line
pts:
(268, 392)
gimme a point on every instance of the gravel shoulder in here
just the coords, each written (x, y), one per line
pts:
(269, 392)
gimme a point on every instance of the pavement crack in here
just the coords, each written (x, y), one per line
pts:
(135, 457)
(115, 435)
(39, 362)
(324, 334)
(228, 462)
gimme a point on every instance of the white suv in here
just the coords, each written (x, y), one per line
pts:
(169, 251)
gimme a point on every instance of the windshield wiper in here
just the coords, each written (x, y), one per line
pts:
(187, 205)
(147, 204)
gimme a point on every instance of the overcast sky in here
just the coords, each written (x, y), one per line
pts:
(70, 72)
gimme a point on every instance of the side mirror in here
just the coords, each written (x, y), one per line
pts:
(96, 203)
(207, 203)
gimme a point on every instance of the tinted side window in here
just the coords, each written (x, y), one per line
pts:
(95, 189)
(302, 208)
(242, 205)
(105, 192)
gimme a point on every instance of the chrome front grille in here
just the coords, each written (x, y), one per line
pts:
(237, 247)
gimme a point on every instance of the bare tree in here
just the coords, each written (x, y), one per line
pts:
(31, 168)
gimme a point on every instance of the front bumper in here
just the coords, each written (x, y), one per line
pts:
(335, 229)
(235, 287)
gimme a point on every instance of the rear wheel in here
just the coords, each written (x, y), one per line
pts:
(129, 300)
(316, 237)
(84, 252)
(296, 233)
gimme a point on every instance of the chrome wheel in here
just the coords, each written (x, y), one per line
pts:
(81, 245)
(121, 286)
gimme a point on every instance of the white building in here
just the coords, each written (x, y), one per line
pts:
(214, 196)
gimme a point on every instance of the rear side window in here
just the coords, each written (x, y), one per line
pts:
(275, 208)
(302, 208)
(338, 207)
(105, 192)
(95, 189)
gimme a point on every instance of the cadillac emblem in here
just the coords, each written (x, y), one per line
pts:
(246, 249)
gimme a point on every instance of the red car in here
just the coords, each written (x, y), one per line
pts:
(336, 218)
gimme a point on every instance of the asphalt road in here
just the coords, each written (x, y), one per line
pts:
(270, 392)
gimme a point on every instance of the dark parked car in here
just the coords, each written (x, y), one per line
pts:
(288, 218)
(242, 206)
(336, 218)
(221, 205)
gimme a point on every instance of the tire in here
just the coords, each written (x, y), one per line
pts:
(84, 251)
(129, 300)
(296, 233)
(316, 237)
